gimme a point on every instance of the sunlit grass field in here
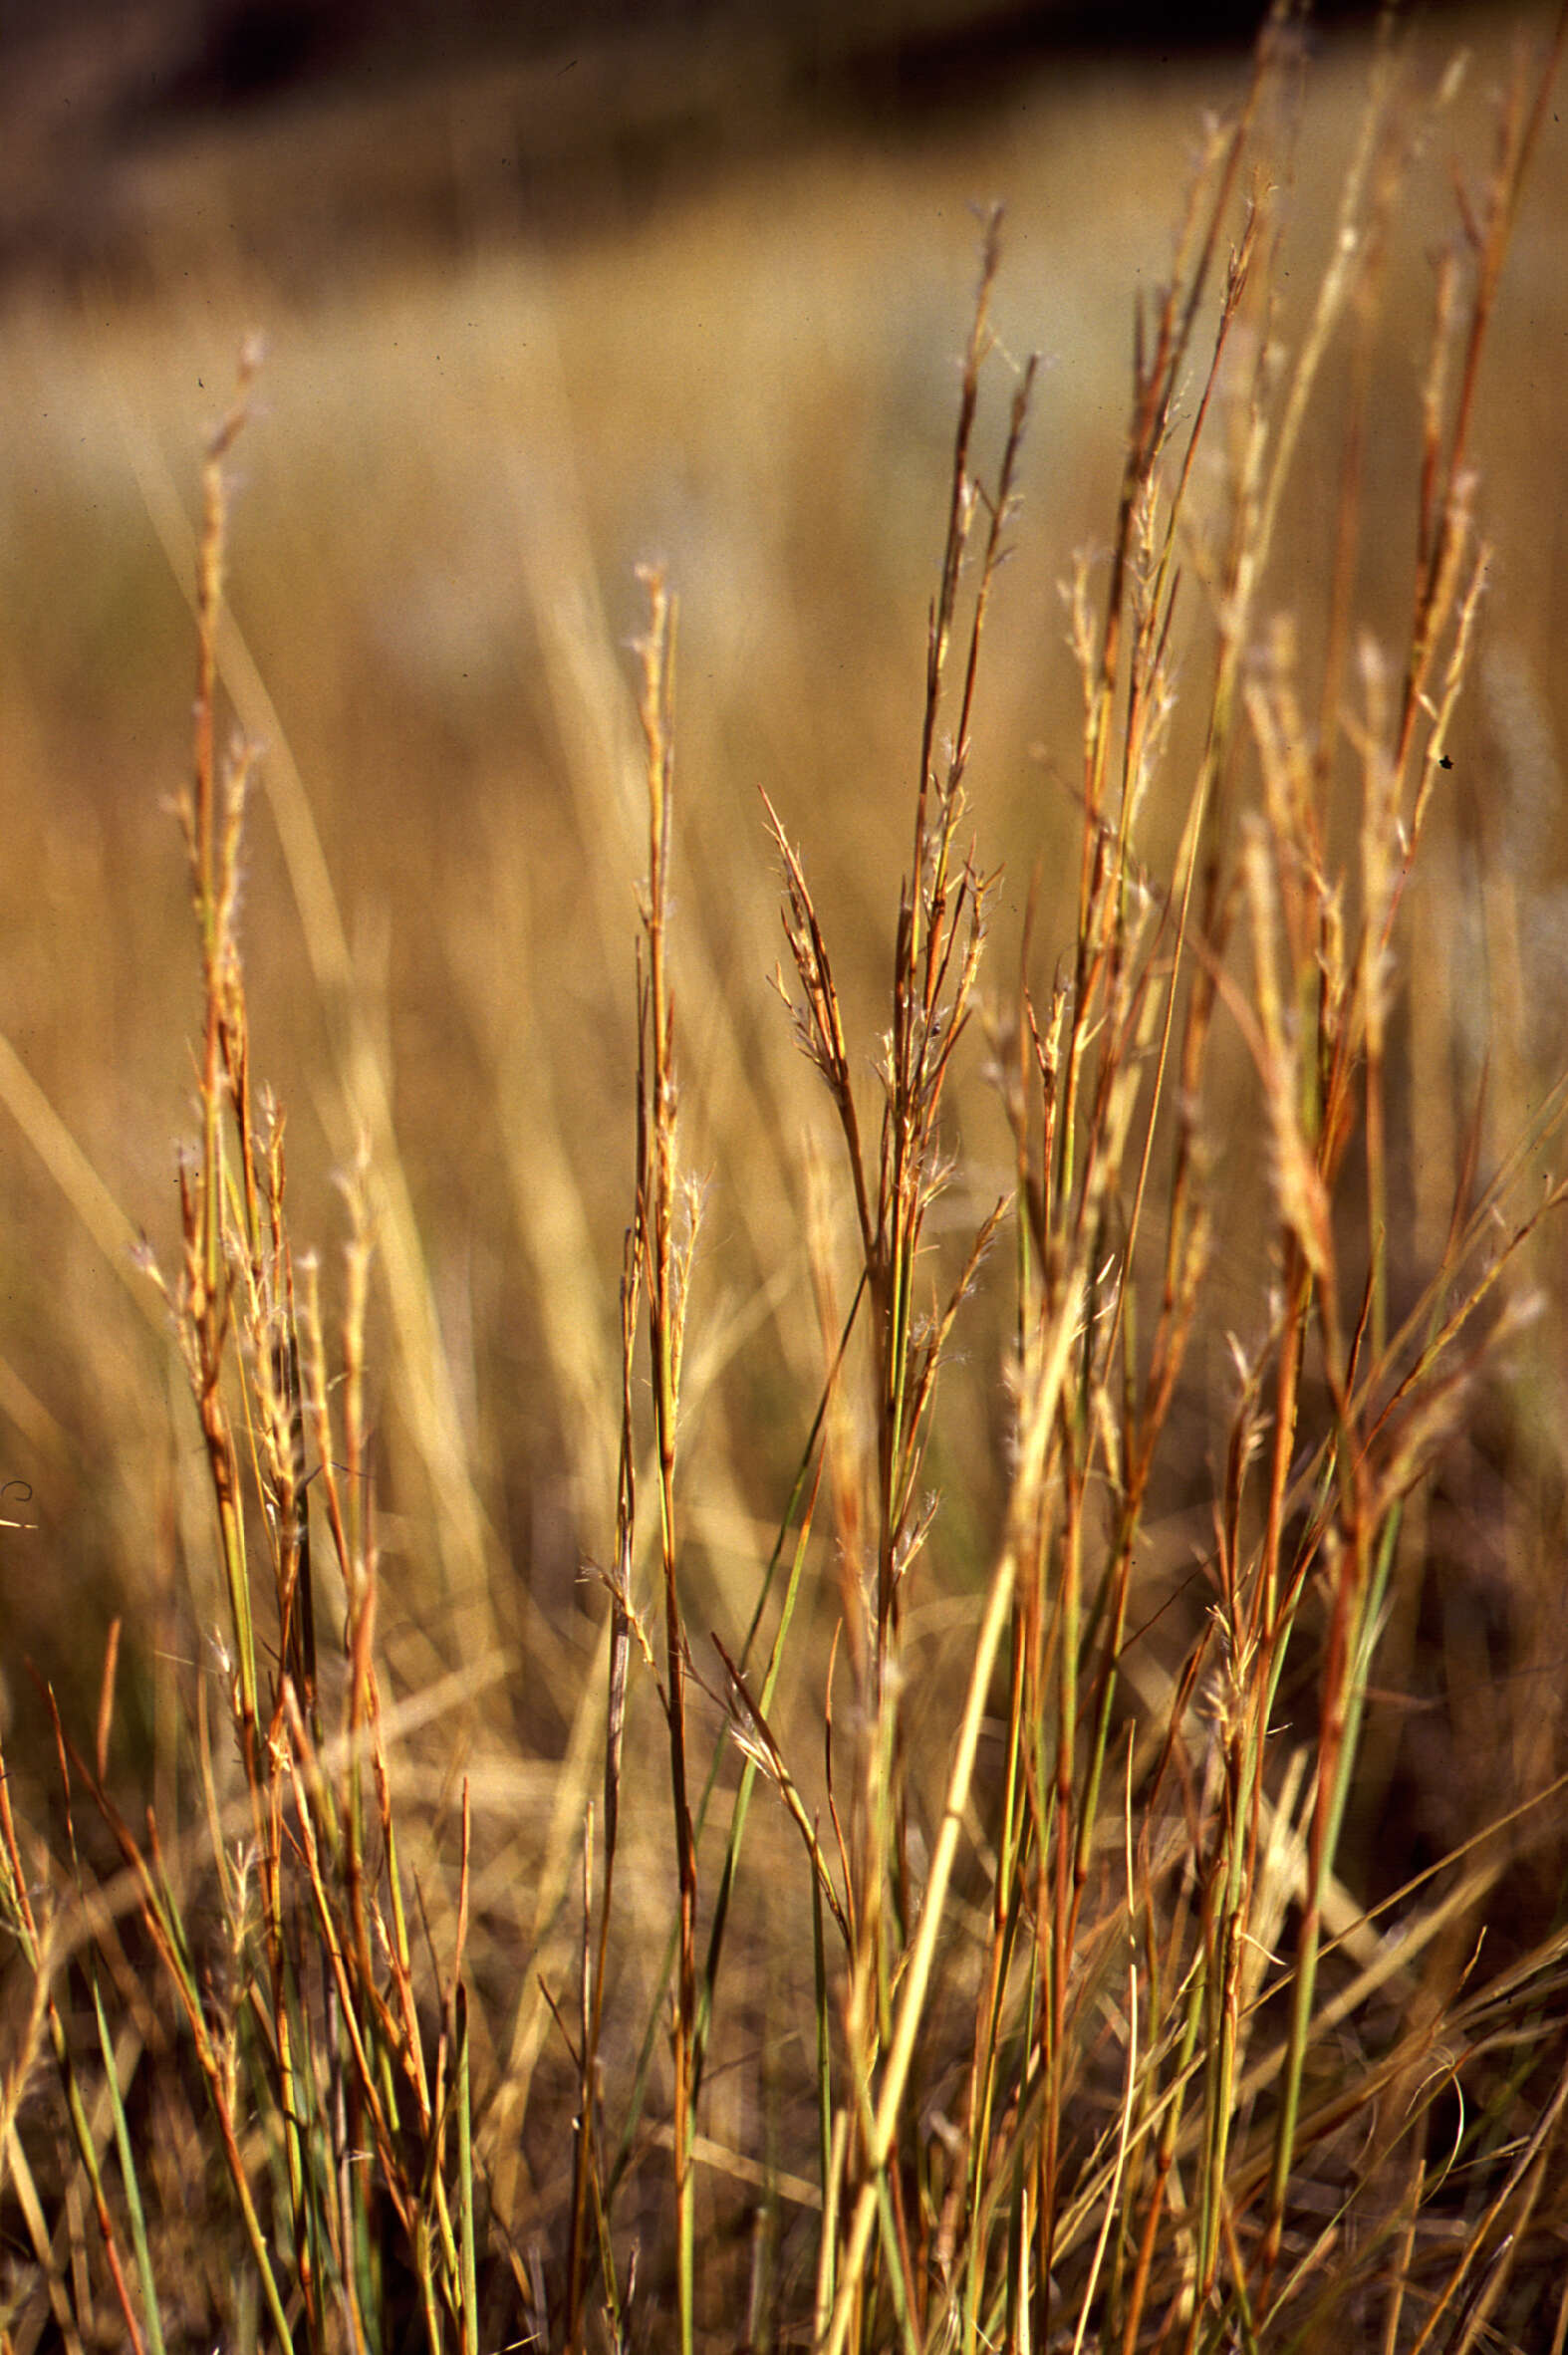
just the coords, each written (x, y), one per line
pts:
(1038, 1993)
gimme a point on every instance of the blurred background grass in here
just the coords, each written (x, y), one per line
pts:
(478, 413)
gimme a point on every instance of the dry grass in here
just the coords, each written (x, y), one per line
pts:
(969, 1756)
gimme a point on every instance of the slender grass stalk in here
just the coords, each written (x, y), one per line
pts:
(128, 2171)
(667, 1268)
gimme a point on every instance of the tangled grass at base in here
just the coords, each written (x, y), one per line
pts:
(1021, 1962)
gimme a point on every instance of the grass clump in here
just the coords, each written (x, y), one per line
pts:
(1073, 1998)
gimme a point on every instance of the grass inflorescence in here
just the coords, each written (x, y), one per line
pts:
(1008, 1928)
